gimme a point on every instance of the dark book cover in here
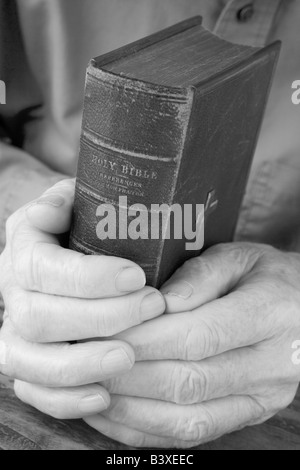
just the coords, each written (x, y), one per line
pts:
(171, 119)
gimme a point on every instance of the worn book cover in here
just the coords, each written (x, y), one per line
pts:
(171, 119)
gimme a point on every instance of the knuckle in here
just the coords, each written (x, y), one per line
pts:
(79, 281)
(239, 254)
(199, 341)
(81, 278)
(210, 339)
(114, 314)
(194, 431)
(111, 385)
(24, 319)
(186, 343)
(233, 251)
(205, 427)
(24, 268)
(274, 262)
(105, 324)
(201, 385)
(117, 314)
(188, 385)
(195, 428)
(201, 266)
(29, 266)
(35, 267)
(134, 309)
(17, 309)
(242, 254)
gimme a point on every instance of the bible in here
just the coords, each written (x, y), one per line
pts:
(171, 120)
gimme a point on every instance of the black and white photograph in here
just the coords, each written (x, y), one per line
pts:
(149, 227)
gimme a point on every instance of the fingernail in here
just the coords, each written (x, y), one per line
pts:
(183, 290)
(152, 305)
(130, 279)
(92, 404)
(52, 200)
(115, 362)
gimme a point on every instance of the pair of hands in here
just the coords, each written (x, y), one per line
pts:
(219, 359)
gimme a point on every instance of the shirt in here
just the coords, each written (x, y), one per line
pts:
(44, 50)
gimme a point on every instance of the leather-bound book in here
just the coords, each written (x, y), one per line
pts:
(171, 119)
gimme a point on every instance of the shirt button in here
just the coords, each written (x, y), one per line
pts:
(245, 14)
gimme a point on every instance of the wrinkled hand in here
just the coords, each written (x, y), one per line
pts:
(54, 296)
(220, 360)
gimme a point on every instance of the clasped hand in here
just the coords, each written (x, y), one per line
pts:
(210, 354)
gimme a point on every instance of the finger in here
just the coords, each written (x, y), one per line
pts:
(192, 423)
(41, 265)
(131, 437)
(52, 212)
(233, 322)
(209, 276)
(64, 403)
(47, 318)
(62, 365)
(187, 383)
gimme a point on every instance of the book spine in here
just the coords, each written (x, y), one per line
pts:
(132, 141)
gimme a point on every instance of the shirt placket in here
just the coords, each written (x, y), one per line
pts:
(248, 22)
(251, 23)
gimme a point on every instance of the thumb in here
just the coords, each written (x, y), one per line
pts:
(210, 276)
(52, 212)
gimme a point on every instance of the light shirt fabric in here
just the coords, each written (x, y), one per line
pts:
(45, 46)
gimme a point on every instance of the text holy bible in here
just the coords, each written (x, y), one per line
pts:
(171, 119)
